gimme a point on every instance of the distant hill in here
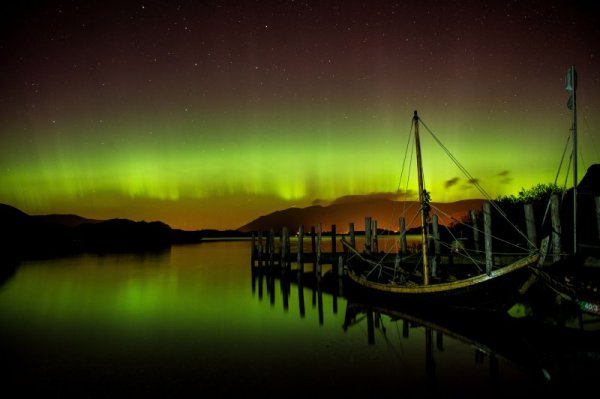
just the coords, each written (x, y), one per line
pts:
(66, 220)
(23, 236)
(385, 211)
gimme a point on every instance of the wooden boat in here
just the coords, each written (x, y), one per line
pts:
(462, 284)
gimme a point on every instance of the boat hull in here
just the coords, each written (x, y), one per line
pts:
(493, 290)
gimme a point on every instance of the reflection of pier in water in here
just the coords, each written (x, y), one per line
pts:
(267, 279)
(555, 357)
(268, 283)
(376, 319)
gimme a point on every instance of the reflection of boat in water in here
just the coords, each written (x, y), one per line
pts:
(555, 359)
(465, 284)
(440, 344)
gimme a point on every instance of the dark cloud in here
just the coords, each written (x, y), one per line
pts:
(505, 177)
(452, 182)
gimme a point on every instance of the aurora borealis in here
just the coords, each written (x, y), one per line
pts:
(209, 114)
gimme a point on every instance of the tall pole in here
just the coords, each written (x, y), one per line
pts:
(422, 199)
(571, 85)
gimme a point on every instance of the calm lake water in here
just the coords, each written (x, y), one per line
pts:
(191, 320)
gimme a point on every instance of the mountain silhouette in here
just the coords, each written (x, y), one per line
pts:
(25, 236)
(66, 220)
(386, 212)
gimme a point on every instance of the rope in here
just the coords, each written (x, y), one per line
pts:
(475, 183)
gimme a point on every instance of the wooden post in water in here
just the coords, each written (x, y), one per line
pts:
(368, 235)
(253, 249)
(487, 232)
(285, 247)
(403, 240)
(374, 235)
(556, 228)
(473, 215)
(319, 241)
(300, 249)
(597, 202)
(259, 250)
(340, 266)
(313, 245)
(530, 225)
(352, 237)
(333, 244)
(436, 245)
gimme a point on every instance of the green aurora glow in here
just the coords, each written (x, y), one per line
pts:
(199, 147)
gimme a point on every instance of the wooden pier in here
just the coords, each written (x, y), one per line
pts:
(318, 248)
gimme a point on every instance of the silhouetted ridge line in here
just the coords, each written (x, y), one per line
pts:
(25, 236)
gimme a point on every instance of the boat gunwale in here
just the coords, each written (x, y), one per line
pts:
(443, 286)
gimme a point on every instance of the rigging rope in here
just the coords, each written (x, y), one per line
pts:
(475, 183)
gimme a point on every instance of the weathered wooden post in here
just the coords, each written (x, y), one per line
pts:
(473, 215)
(368, 235)
(374, 235)
(313, 244)
(253, 257)
(340, 266)
(259, 250)
(556, 228)
(403, 240)
(436, 245)
(487, 232)
(319, 242)
(333, 244)
(300, 249)
(352, 237)
(530, 226)
(340, 274)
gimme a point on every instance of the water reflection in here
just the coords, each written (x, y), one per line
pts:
(548, 357)
(196, 320)
(8, 270)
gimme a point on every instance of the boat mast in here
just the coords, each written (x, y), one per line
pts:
(571, 85)
(423, 200)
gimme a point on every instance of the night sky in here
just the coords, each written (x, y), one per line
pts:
(209, 114)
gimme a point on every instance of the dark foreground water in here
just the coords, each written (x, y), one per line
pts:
(192, 322)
